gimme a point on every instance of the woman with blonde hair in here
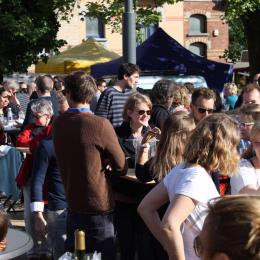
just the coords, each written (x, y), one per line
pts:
(247, 180)
(231, 230)
(136, 114)
(128, 194)
(230, 94)
(169, 152)
(212, 146)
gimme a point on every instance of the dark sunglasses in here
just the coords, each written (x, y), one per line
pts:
(142, 112)
(204, 110)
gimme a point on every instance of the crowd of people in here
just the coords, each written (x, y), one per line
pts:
(196, 161)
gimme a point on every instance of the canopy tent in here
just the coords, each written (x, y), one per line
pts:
(80, 57)
(161, 53)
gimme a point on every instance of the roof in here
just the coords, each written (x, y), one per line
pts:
(80, 57)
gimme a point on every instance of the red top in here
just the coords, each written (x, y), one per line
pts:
(24, 139)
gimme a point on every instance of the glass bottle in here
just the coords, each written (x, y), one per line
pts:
(80, 246)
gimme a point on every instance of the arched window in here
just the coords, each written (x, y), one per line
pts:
(199, 48)
(197, 24)
(94, 28)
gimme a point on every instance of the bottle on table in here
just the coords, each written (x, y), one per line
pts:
(80, 246)
(9, 115)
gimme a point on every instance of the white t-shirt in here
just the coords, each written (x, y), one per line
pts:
(197, 184)
(247, 175)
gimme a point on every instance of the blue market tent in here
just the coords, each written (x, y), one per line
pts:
(160, 52)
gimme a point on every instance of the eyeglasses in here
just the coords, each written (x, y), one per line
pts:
(38, 116)
(198, 247)
(142, 112)
(204, 110)
(246, 124)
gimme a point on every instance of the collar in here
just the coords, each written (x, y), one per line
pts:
(79, 110)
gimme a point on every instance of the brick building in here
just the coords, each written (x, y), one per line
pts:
(196, 24)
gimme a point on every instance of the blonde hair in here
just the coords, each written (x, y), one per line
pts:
(175, 132)
(213, 144)
(133, 102)
(233, 223)
(180, 97)
(231, 88)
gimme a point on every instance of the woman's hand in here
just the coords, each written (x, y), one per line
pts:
(150, 134)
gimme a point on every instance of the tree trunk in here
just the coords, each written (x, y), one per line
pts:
(252, 32)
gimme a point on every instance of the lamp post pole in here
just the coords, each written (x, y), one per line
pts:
(129, 38)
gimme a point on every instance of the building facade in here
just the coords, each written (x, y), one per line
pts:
(197, 25)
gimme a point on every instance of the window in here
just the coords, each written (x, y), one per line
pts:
(94, 28)
(146, 32)
(199, 48)
(197, 24)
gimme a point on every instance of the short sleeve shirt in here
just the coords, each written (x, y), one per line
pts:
(197, 184)
(247, 175)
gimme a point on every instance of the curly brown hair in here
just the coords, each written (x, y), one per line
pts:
(213, 144)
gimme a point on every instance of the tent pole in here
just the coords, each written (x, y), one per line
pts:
(129, 38)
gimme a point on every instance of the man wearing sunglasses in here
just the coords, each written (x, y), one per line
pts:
(202, 103)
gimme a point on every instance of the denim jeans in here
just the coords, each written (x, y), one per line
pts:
(56, 222)
(100, 234)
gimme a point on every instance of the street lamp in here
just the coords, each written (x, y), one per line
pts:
(129, 38)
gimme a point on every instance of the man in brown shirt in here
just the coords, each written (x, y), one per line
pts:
(86, 147)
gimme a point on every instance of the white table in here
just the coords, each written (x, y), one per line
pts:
(18, 243)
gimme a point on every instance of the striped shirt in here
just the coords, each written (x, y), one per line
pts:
(111, 105)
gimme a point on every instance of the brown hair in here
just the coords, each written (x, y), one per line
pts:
(251, 110)
(180, 97)
(251, 87)
(233, 223)
(133, 101)
(80, 86)
(4, 223)
(202, 92)
(175, 132)
(213, 144)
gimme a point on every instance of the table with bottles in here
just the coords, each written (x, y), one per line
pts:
(12, 125)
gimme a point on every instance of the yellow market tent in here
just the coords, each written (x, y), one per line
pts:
(80, 57)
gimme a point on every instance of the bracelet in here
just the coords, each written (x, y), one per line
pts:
(146, 145)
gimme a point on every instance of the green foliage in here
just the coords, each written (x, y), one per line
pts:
(235, 9)
(111, 11)
(237, 41)
(27, 28)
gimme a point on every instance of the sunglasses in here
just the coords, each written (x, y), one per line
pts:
(204, 110)
(142, 112)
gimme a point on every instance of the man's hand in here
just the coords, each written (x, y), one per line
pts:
(40, 226)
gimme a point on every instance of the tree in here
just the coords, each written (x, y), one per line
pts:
(28, 28)
(249, 13)
(246, 11)
(237, 41)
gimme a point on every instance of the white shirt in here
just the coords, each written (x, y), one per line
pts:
(196, 184)
(247, 175)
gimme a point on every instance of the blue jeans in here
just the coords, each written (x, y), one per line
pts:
(100, 234)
